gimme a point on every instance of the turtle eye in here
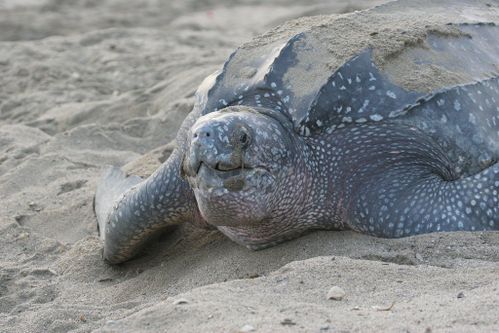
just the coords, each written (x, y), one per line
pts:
(243, 138)
(240, 137)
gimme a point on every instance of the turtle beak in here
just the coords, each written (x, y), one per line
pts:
(190, 166)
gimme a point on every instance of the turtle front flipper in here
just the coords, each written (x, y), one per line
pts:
(406, 185)
(130, 210)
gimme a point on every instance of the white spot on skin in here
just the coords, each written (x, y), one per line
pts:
(376, 117)
(472, 119)
(391, 94)
(362, 109)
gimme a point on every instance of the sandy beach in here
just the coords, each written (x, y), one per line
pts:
(85, 84)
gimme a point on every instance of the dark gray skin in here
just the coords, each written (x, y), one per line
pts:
(264, 162)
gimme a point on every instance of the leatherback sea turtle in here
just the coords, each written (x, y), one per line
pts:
(383, 121)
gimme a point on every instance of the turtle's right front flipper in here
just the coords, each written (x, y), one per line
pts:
(131, 210)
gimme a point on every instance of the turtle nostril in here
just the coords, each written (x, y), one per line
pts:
(201, 133)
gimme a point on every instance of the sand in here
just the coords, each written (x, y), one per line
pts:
(85, 84)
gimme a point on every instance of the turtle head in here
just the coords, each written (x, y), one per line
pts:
(237, 163)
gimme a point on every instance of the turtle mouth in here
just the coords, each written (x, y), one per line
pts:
(224, 171)
(223, 179)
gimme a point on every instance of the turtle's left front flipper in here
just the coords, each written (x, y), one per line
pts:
(130, 210)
